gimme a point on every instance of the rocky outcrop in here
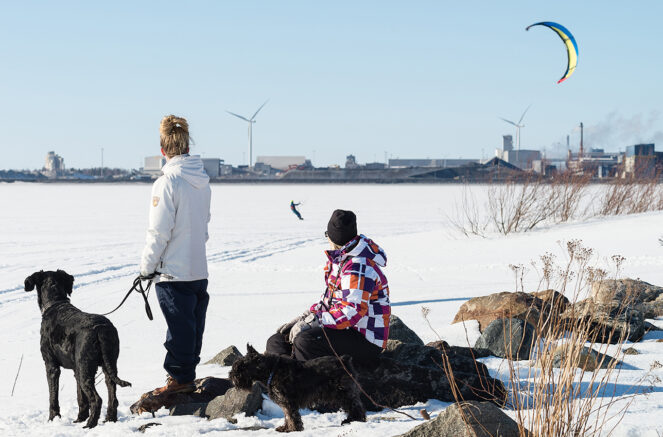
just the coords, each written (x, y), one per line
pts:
(236, 401)
(610, 322)
(395, 384)
(508, 338)
(468, 419)
(407, 373)
(226, 357)
(639, 295)
(400, 331)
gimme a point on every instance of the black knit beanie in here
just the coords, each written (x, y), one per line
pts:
(342, 227)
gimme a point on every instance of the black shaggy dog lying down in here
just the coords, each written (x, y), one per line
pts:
(75, 340)
(293, 384)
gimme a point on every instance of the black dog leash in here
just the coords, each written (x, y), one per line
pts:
(271, 374)
(138, 286)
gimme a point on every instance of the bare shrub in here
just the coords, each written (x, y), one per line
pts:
(630, 196)
(567, 193)
(468, 215)
(519, 205)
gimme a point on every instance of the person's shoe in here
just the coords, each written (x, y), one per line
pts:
(172, 386)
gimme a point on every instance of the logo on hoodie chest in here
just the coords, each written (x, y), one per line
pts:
(155, 201)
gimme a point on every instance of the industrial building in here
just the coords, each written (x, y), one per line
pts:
(430, 163)
(523, 158)
(284, 163)
(54, 165)
(153, 165)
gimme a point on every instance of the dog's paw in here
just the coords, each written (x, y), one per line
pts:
(53, 414)
(354, 419)
(283, 428)
(82, 415)
(91, 423)
(111, 418)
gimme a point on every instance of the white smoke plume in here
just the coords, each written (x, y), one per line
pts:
(614, 133)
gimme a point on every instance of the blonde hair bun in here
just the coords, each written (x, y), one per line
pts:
(174, 133)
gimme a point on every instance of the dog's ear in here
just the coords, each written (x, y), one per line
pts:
(66, 280)
(250, 350)
(33, 280)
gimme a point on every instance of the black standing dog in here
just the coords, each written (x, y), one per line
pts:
(293, 384)
(75, 340)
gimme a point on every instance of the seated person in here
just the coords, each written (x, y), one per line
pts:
(354, 308)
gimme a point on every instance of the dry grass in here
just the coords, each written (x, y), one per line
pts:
(564, 395)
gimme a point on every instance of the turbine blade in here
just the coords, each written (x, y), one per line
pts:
(508, 121)
(523, 116)
(254, 115)
(238, 116)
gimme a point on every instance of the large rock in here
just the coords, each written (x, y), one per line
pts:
(206, 390)
(461, 360)
(611, 322)
(552, 299)
(393, 384)
(631, 291)
(235, 401)
(226, 357)
(416, 373)
(468, 419)
(639, 295)
(586, 359)
(504, 305)
(508, 338)
(400, 331)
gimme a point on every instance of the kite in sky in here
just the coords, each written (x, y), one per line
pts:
(569, 41)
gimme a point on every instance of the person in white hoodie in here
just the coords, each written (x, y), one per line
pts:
(174, 255)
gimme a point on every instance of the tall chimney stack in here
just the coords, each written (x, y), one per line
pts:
(582, 150)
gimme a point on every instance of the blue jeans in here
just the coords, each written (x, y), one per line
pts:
(184, 306)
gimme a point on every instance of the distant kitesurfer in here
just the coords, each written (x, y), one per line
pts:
(293, 208)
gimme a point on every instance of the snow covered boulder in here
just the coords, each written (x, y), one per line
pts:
(468, 419)
(226, 357)
(608, 322)
(235, 401)
(643, 296)
(400, 331)
(508, 338)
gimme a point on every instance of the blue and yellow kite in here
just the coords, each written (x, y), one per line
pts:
(569, 41)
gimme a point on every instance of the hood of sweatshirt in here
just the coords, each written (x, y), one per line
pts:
(190, 168)
(360, 246)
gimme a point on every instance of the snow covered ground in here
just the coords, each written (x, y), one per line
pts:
(265, 267)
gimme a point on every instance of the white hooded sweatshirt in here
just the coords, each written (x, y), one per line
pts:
(179, 214)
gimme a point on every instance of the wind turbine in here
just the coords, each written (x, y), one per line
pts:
(518, 126)
(250, 121)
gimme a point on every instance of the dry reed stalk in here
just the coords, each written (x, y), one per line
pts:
(575, 394)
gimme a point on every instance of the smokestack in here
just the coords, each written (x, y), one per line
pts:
(582, 151)
(568, 138)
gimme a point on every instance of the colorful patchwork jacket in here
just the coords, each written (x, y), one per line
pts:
(357, 294)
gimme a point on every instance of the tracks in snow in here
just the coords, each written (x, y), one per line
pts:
(97, 275)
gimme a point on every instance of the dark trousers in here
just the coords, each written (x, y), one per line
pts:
(313, 344)
(184, 305)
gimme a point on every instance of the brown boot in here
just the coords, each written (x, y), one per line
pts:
(172, 386)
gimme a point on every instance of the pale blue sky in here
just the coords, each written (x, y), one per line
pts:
(412, 79)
